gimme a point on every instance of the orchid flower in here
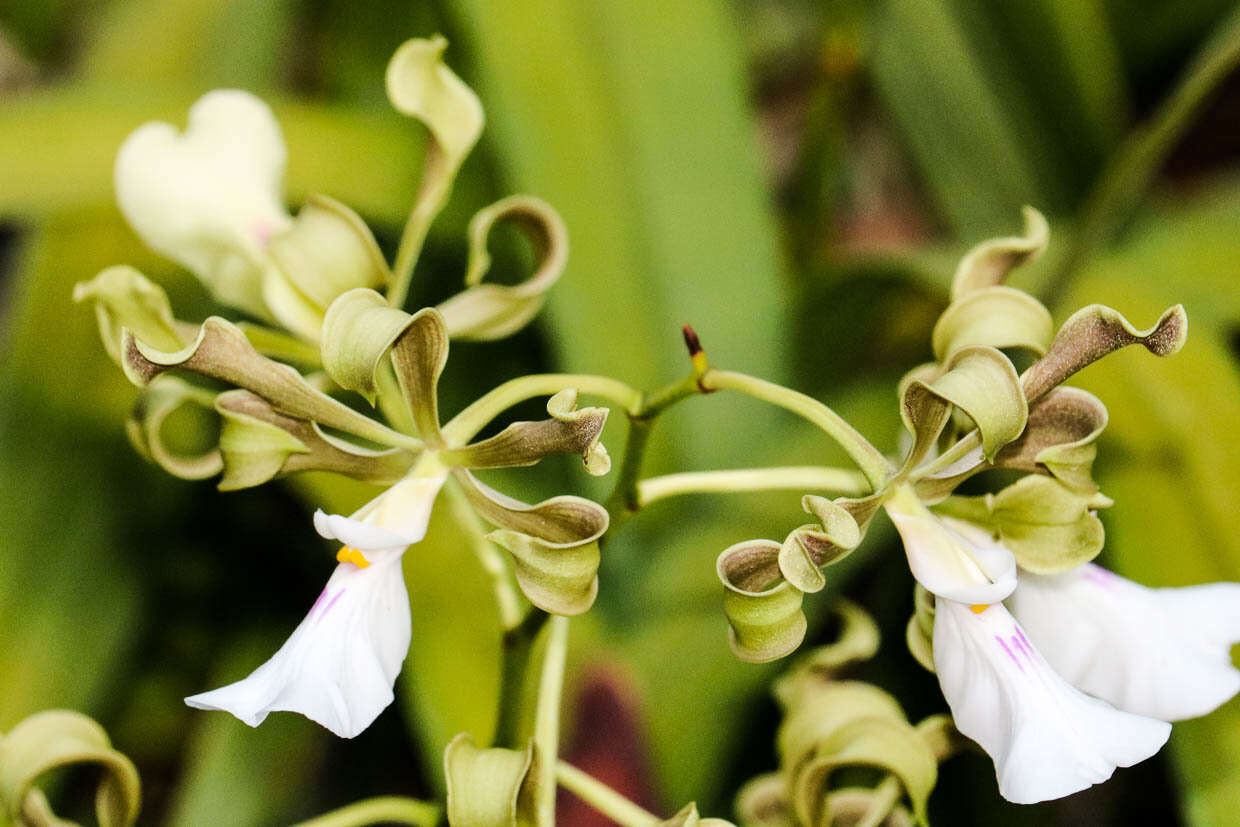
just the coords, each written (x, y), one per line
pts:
(1047, 738)
(1165, 653)
(339, 665)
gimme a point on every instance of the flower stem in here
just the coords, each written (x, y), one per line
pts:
(388, 809)
(843, 481)
(603, 798)
(868, 458)
(547, 717)
(518, 644)
(465, 425)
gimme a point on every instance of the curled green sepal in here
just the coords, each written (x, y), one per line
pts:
(490, 787)
(492, 311)
(124, 298)
(1093, 332)
(221, 351)
(988, 263)
(806, 550)
(145, 427)
(568, 431)
(1063, 427)
(358, 331)
(59, 738)
(688, 817)
(327, 251)
(763, 610)
(258, 443)
(996, 317)
(857, 641)
(919, 634)
(762, 801)
(979, 381)
(554, 544)
(420, 85)
(419, 355)
(835, 724)
(1048, 527)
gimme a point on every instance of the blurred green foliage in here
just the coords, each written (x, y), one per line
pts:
(793, 178)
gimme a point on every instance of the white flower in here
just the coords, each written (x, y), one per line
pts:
(951, 558)
(1165, 653)
(211, 197)
(339, 665)
(1047, 738)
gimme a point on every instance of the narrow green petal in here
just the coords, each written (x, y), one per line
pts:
(358, 331)
(145, 427)
(981, 382)
(327, 251)
(560, 521)
(568, 431)
(419, 84)
(419, 354)
(1049, 527)
(221, 351)
(124, 298)
(61, 738)
(996, 317)
(258, 443)
(1091, 333)
(491, 787)
(806, 550)
(557, 578)
(763, 610)
(1063, 427)
(989, 263)
(492, 311)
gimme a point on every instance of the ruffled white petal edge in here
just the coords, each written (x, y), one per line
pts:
(1047, 739)
(1165, 653)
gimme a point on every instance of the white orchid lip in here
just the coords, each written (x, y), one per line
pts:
(1047, 739)
(951, 558)
(1165, 653)
(339, 665)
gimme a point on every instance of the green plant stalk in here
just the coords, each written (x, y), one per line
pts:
(494, 562)
(518, 645)
(1135, 164)
(868, 458)
(603, 798)
(547, 717)
(382, 810)
(465, 425)
(842, 481)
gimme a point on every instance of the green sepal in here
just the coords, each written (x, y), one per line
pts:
(858, 640)
(1093, 332)
(568, 431)
(554, 543)
(419, 355)
(258, 443)
(834, 724)
(763, 610)
(124, 298)
(919, 633)
(1048, 527)
(60, 738)
(492, 311)
(989, 263)
(491, 787)
(806, 550)
(281, 346)
(327, 251)
(359, 330)
(221, 351)
(1063, 427)
(978, 380)
(144, 427)
(420, 85)
(994, 316)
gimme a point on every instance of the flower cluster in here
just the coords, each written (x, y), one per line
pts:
(1059, 669)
